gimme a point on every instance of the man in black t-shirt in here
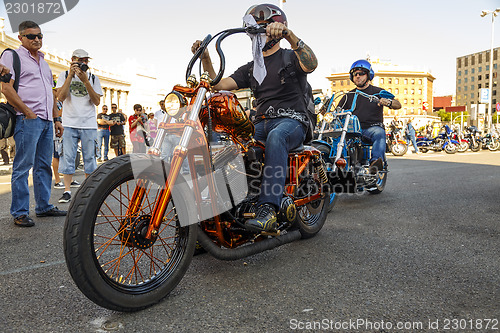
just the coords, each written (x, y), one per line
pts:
(116, 130)
(370, 115)
(281, 120)
(103, 123)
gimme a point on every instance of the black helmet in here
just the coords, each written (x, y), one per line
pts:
(267, 13)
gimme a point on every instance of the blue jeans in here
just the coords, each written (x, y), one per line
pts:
(377, 135)
(34, 146)
(411, 137)
(281, 135)
(102, 134)
(88, 138)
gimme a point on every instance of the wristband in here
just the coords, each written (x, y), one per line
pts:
(390, 104)
(59, 119)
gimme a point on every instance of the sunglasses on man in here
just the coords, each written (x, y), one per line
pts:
(359, 73)
(33, 36)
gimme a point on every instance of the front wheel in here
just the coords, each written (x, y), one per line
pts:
(107, 252)
(399, 149)
(464, 145)
(475, 146)
(494, 145)
(450, 148)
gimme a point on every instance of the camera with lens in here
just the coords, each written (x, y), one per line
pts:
(83, 67)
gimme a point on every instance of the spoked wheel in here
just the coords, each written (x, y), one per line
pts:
(399, 149)
(108, 254)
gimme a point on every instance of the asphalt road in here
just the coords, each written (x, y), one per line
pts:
(423, 256)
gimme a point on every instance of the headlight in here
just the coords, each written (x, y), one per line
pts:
(328, 117)
(174, 102)
(320, 117)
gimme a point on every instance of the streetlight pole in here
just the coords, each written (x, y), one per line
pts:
(493, 13)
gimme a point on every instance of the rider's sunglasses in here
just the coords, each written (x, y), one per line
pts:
(359, 73)
(33, 36)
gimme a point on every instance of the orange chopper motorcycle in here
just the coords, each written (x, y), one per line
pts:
(134, 224)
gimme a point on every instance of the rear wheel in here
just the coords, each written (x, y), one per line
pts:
(107, 252)
(494, 145)
(475, 146)
(464, 145)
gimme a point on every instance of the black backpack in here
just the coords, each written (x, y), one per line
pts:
(303, 88)
(7, 111)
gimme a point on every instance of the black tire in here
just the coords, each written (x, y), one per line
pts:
(380, 182)
(423, 150)
(475, 146)
(399, 149)
(463, 147)
(494, 145)
(111, 264)
(312, 216)
(451, 148)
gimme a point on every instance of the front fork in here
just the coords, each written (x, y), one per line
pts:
(179, 155)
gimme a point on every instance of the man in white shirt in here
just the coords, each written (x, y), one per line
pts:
(80, 91)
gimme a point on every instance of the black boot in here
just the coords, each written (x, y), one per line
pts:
(376, 166)
(265, 219)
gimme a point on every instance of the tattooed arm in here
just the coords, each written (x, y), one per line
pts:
(307, 59)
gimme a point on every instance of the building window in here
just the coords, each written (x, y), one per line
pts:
(334, 83)
(412, 101)
(472, 95)
(406, 81)
(459, 73)
(389, 81)
(420, 91)
(406, 91)
(342, 82)
(479, 77)
(420, 81)
(419, 102)
(472, 71)
(459, 63)
(472, 79)
(472, 87)
(465, 88)
(396, 81)
(487, 76)
(381, 81)
(466, 62)
(405, 101)
(480, 60)
(472, 60)
(396, 91)
(480, 69)
(459, 81)
(413, 91)
(412, 81)
(479, 86)
(459, 88)
(466, 72)
(487, 67)
(494, 54)
(465, 80)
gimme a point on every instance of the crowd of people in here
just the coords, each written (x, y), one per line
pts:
(56, 123)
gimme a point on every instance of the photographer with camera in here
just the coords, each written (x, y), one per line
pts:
(80, 91)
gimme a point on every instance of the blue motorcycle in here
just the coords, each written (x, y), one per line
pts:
(441, 142)
(345, 151)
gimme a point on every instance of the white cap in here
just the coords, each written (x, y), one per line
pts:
(79, 53)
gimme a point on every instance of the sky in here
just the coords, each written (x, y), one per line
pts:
(157, 35)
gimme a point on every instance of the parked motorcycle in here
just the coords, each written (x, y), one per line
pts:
(442, 142)
(346, 152)
(458, 136)
(472, 135)
(491, 141)
(395, 142)
(132, 227)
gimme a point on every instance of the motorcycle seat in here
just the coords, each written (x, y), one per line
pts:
(298, 149)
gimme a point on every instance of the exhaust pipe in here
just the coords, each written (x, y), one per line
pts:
(247, 250)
